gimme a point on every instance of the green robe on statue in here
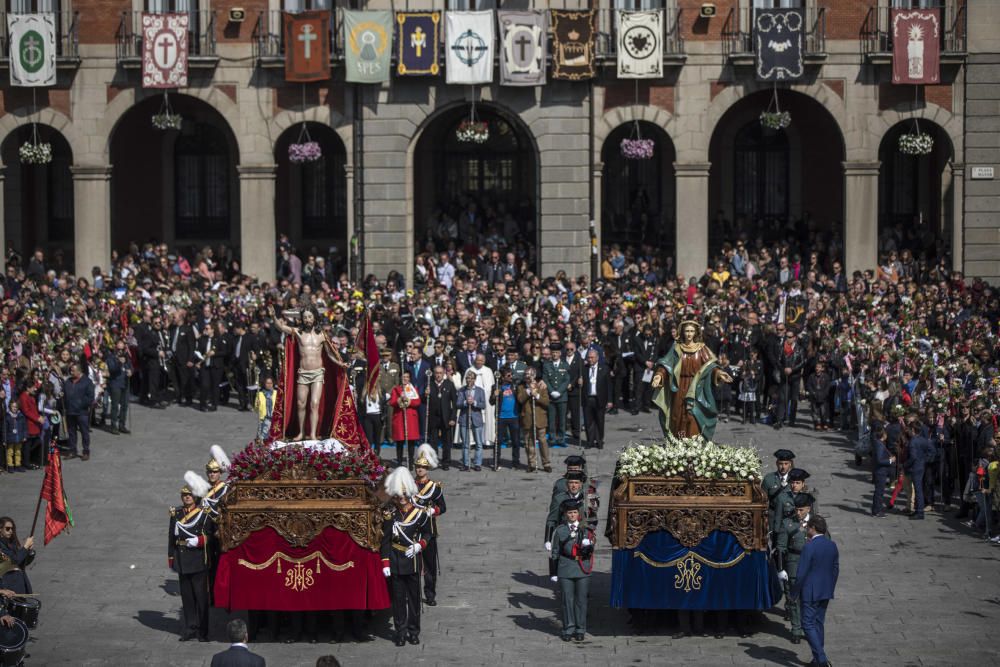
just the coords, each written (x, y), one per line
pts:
(685, 399)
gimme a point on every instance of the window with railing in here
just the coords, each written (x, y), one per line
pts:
(876, 34)
(65, 20)
(201, 27)
(737, 32)
(607, 23)
(269, 35)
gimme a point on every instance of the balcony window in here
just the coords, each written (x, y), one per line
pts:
(639, 5)
(916, 4)
(470, 5)
(295, 6)
(32, 6)
(777, 4)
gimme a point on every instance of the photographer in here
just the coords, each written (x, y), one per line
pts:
(119, 375)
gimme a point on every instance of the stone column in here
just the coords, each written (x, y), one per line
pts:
(258, 241)
(860, 216)
(957, 216)
(597, 175)
(692, 217)
(92, 217)
(348, 246)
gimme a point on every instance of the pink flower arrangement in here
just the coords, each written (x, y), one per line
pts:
(637, 149)
(308, 151)
(259, 461)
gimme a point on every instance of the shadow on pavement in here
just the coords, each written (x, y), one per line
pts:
(159, 621)
(532, 601)
(548, 624)
(530, 578)
(773, 655)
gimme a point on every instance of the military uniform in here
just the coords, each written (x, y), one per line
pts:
(792, 538)
(399, 535)
(591, 498)
(517, 371)
(773, 483)
(573, 560)
(430, 498)
(188, 556)
(782, 508)
(555, 374)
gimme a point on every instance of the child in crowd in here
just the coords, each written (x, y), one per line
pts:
(265, 408)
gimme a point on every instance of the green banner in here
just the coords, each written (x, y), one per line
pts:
(368, 41)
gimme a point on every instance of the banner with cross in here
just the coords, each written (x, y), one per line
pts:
(468, 38)
(524, 43)
(307, 46)
(417, 39)
(164, 50)
(32, 49)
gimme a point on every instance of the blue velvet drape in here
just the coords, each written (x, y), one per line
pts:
(730, 579)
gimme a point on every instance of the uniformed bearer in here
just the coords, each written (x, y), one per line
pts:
(792, 538)
(430, 498)
(187, 555)
(775, 481)
(573, 554)
(405, 533)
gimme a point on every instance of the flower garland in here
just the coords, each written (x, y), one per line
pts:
(300, 153)
(673, 457)
(916, 143)
(167, 121)
(637, 149)
(775, 120)
(34, 152)
(473, 131)
(259, 461)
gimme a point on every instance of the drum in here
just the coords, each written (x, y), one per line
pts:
(13, 641)
(25, 609)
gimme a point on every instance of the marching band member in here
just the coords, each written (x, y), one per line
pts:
(187, 555)
(405, 533)
(430, 498)
(214, 470)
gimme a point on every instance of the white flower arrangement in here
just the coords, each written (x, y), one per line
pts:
(35, 153)
(775, 120)
(916, 143)
(674, 456)
(167, 121)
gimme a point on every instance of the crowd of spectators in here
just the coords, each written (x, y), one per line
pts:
(894, 356)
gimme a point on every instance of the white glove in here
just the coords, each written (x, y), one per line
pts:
(385, 572)
(783, 576)
(413, 550)
(585, 542)
(553, 579)
(191, 541)
(548, 546)
(554, 394)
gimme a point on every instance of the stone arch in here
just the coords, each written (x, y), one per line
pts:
(226, 107)
(880, 124)
(57, 120)
(320, 113)
(615, 118)
(817, 91)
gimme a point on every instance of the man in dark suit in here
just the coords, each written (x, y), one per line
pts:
(819, 567)
(182, 346)
(596, 398)
(621, 355)
(420, 372)
(575, 361)
(441, 414)
(211, 354)
(466, 357)
(244, 347)
(645, 359)
(238, 654)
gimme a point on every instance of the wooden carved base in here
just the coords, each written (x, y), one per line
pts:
(299, 510)
(689, 526)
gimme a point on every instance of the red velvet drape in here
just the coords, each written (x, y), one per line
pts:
(332, 572)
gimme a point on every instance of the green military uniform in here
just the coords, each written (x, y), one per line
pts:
(782, 507)
(792, 538)
(773, 483)
(555, 374)
(573, 560)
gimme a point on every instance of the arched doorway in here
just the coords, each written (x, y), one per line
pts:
(471, 194)
(915, 209)
(176, 186)
(770, 186)
(38, 199)
(637, 200)
(311, 198)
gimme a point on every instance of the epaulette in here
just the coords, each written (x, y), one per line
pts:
(171, 511)
(440, 485)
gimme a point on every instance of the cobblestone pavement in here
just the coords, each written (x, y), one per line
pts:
(910, 593)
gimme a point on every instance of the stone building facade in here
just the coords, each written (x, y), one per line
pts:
(225, 178)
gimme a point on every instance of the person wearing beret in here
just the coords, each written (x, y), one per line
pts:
(792, 538)
(572, 555)
(777, 479)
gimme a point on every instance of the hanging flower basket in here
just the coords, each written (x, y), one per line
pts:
(916, 143)
(473, 131)
(33, 152)
(167, 121)
(637, 149)
(775, 120)
(306, 151)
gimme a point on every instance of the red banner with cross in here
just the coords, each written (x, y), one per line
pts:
(916, 45)
(307, 46)
(164, 50)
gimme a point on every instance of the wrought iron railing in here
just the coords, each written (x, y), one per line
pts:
(201, 35)
(737, 32)
(607, 33)
(67, 36)
(269, 35)
(876, 34)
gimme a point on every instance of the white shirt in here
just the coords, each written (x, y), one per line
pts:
(593, 380)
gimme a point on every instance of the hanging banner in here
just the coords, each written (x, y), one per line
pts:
(523, 48)
(307, 46)
(916, 45)
(417, 39)
(573, 44)
(640, 44)
(32, 40)
(164, 50)
(368, 41)
(777, 35)
(468, 37)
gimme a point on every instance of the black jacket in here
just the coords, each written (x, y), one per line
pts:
(399, 533)
(603, 393)
(182, 343)
(441, 403)
(237, 656)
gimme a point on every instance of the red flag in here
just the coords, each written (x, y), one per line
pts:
(307, 46)
(916, 45)
(366, 343)
(56, 512)
(164, 50)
